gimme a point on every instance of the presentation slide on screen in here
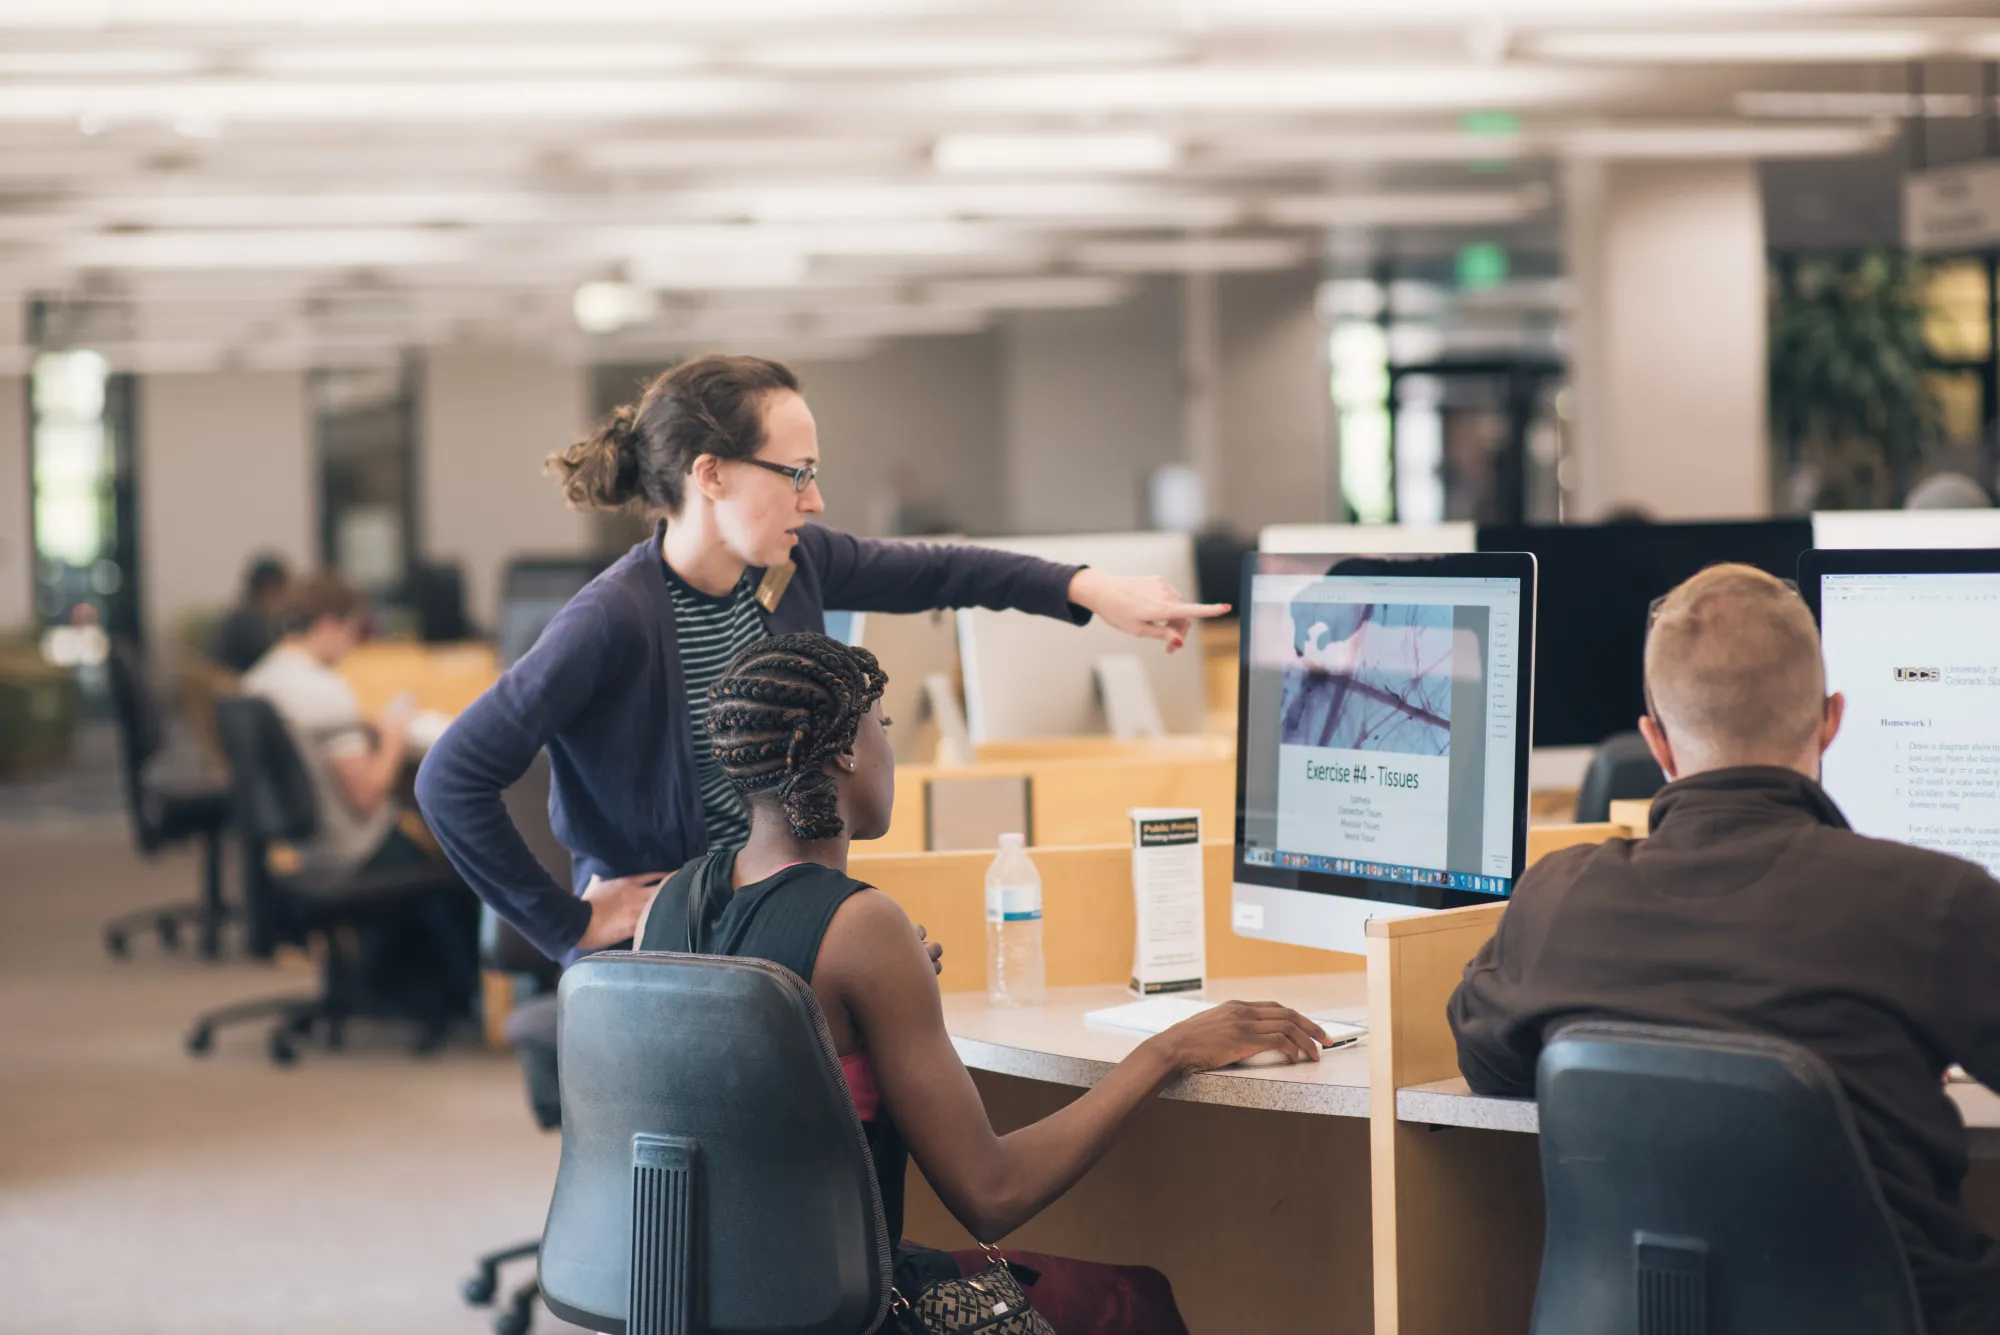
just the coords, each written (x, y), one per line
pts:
(1918, 757)
(1365, 734)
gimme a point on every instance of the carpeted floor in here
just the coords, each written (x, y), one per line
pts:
(143, 1190)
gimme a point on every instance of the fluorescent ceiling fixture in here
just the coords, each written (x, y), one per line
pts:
(1264, 150)
(1057, 292)
(1223, 14)
(483, 100)
(337, 249)
(824, 152)
(454, 58)
(1191, 255)
(1416, 208)
(1353, 87)
(1715, 46)
(1855, 106)
(838, 55)
(994, 153)
(604, 306)
(1726, 141)
(108, 61)
(563, 15)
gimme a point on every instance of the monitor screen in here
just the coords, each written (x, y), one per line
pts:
(1916, 652)
(1597, 582)
(1381, 741)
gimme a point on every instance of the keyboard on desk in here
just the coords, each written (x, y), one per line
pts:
(1153, 1015)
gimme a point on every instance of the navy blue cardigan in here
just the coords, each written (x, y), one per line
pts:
(602, 690)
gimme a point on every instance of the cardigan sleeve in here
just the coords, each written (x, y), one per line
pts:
(870, 575)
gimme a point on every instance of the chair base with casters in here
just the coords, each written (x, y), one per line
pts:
(481, 1288)
(321, 907)
(532, 1028)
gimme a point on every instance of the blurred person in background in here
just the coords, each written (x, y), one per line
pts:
(247, 633)
(355, 765)
(725, 455)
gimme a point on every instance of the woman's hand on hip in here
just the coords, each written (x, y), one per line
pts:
(617, 908)
(1142, 605)
(931, 948)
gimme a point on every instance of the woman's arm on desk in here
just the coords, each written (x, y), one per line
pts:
(873, 965)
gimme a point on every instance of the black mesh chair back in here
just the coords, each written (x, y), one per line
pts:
(1700, 1182)
(141, 732)
(714, 1176)
(1621, 770)
(272, 799)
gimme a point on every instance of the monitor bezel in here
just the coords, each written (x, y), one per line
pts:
(1455, 566)
(1822, 561)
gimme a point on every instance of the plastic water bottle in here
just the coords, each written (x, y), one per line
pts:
(1014, 973)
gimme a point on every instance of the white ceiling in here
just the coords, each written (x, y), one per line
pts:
(193, 183)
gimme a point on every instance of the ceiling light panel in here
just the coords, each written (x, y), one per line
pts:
(1790, 104)
(466, 15)
(1272, 88)
(1023, 154)
(836, 55)
(485, 100)
(1416, 209)
(1693, 142)
(1718, 46)
(1191, 255)
(488, 60)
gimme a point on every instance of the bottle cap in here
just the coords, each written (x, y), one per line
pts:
(1013, 841)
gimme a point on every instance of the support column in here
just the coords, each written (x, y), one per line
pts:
(490, 416)
(17, 556)
(227, 471)
(1668, 364)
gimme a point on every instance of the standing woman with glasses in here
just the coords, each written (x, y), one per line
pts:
(723, 452)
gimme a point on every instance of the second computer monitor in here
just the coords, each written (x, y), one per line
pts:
(1911, 639)
(1382, 740)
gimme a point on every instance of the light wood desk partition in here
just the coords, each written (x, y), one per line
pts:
(1088, 921)
(444, 677)
(1083, 797)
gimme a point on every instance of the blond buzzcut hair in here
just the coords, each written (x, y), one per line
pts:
(1733, 670)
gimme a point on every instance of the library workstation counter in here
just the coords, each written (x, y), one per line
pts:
(1370, 1191)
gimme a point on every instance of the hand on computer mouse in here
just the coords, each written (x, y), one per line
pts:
(1228, 1033)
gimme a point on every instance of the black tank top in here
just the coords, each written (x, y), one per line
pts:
(782, 919)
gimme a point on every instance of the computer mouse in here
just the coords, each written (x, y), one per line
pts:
(1268, 1057)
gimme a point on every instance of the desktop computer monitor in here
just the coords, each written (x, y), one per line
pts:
(1029, 676)
(1381, 740)
(1597, 584)
(1912, 639)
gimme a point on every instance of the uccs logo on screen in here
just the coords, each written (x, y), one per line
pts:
(1916, 674)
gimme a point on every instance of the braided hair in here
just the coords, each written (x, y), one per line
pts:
(781, 710)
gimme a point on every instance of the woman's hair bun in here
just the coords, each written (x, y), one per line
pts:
(601, 471)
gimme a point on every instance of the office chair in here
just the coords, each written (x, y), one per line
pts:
(1621, 770)
(714, 1175)
(1701, 1182)
(531, 1027)
(435, 592)
(532, 590)
(163, 814)
(274, 802)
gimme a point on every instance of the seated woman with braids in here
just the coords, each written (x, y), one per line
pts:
(797, 726)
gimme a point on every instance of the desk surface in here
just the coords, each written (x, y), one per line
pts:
(1053, 1043)
(1452, 1103)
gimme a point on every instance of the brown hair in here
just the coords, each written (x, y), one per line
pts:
(309, 600)
(645, 450)
(1733, 667)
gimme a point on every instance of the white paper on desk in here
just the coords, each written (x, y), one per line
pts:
(1170, 947)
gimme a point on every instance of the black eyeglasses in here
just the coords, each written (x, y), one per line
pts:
(801, 477)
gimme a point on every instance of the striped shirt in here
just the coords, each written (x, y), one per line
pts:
(713, 629)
